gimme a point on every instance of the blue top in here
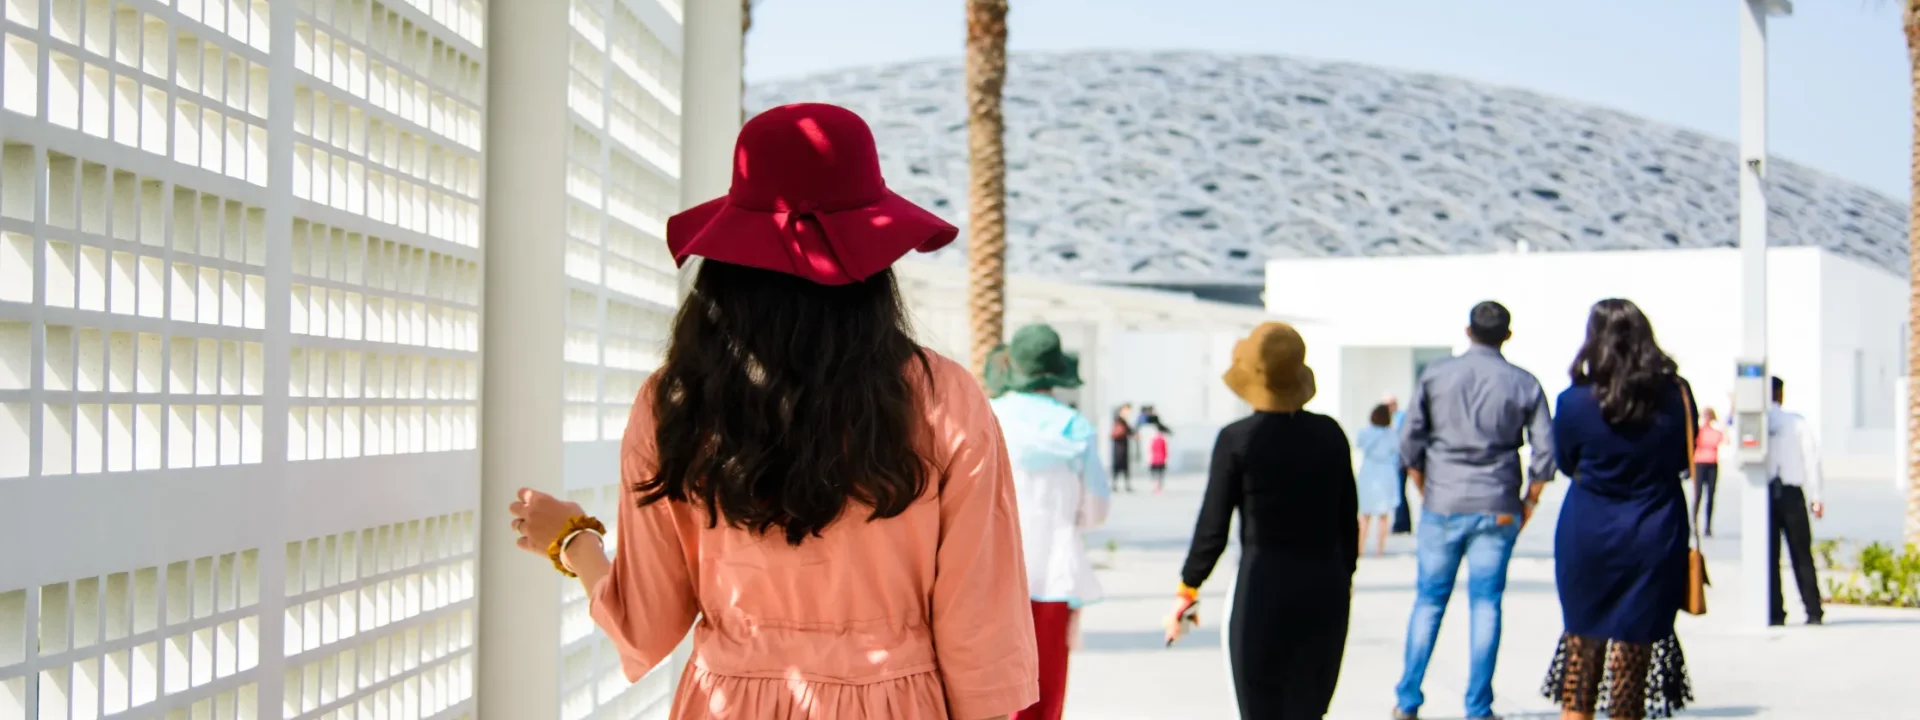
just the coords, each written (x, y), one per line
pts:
(1043, 433)
(1620, 551)
(1379, 476)
(1377, 445)
(1467, 420)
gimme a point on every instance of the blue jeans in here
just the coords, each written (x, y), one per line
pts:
(1487, 546)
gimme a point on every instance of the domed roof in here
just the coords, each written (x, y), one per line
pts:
(1184, 168)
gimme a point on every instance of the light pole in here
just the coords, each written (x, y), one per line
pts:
(1752, 387)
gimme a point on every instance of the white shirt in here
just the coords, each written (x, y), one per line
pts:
(1793, 453)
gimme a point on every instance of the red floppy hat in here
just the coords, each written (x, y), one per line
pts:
(807, 200)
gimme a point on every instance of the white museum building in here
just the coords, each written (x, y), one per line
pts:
(1836, 327)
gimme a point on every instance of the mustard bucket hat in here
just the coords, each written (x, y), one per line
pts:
(1270, 369)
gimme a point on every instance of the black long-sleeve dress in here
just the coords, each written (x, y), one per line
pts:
(1290, 476)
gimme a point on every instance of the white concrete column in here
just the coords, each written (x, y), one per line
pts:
(557, 158)
(526, 288)
(1755, 539)
(709, 106)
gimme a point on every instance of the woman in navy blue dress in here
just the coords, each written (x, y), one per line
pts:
(1620, 551)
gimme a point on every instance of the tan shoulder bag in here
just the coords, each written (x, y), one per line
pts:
(1697, 581)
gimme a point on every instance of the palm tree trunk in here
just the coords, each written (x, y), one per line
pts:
(986, 69)
(746, 23)
(1910, 18)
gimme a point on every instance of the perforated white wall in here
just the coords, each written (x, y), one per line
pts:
(623, 180)
(239, 311)
(582, 291)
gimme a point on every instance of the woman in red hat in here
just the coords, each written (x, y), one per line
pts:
(830, 501)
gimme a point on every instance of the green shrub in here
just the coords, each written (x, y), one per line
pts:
(1824, 550)
(1881, 576)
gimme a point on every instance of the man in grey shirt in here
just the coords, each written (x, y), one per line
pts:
(1466, 422)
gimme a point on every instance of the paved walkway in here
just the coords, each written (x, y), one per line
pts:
(1860, 666)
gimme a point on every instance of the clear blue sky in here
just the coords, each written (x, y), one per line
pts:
(1840, 94)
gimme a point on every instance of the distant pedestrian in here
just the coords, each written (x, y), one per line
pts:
(1620, 549)
(1706, 464)
(1121, 434)
(1289, 474)
(1379, 479)
(1402, 516)
(1793, 451)
(1062, 492)
(1151, 417)
(1468, 418)
(1157, 457)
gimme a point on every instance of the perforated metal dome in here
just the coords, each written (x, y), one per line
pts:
(1192, 169)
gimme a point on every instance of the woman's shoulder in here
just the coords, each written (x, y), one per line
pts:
(951, 395)
(941, 378)
(942, 368)
(1577, 395)
(1324, 425)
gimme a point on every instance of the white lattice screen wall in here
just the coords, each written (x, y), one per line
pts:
(623, 169)
(239, 310)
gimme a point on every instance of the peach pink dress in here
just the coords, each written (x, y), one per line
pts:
(922, 616)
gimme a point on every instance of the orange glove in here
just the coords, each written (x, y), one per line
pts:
(1185, 615)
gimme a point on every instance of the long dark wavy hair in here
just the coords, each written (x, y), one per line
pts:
(782, 400)
(1623, 363)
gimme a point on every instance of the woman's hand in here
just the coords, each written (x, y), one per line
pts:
(1073, 632)
(1182, 618)
(538, 518)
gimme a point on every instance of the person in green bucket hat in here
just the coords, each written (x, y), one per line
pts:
(1032, 362)
(1062, 491)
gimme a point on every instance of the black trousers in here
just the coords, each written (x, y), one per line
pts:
(1703, 490)
(1403, 517)
(1787, 518)
(1122, 458)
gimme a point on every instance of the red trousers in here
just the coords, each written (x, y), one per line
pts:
(1051, 623)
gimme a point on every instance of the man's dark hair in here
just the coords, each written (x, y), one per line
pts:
(1779, 388)
(1489, 324)
(1381, 416)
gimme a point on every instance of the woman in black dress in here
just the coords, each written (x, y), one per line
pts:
(1289, 474)
(1122, 435)
(1620, 549)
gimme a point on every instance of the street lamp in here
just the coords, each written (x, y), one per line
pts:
(1752, 391)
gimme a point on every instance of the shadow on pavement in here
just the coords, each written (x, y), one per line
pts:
(1459, 586)
(1155, 639)
(1842, 622)
(1723, 712)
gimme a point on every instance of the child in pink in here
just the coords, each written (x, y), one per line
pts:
(1157, 459)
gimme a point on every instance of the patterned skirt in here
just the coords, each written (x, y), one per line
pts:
(1618, 679)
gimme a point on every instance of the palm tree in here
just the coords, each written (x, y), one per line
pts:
(746, 23)
(1910, 20)
(987, 177)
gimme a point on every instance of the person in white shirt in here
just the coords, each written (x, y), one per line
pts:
(1793, 456)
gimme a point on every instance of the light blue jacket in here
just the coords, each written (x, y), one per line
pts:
(1062, 490)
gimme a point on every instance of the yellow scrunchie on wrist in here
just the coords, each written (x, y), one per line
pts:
(1188, 593)
(574, 524)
